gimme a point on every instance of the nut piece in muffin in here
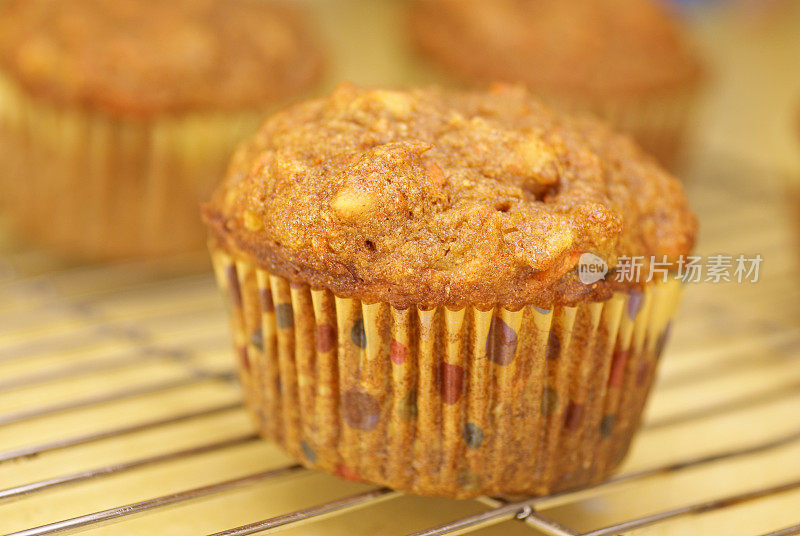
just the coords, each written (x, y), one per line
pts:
(627, 61)
(405, 306)
(118, 116)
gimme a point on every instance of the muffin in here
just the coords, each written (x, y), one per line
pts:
(405, 301)
(625, 61)
(117, 117)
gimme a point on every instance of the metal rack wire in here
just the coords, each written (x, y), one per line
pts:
(118, 404)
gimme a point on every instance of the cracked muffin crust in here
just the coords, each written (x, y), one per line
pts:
(142, 57)
(427, 197)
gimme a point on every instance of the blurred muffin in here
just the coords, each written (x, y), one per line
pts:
(626, 60)
(405, 303)
(118, 116)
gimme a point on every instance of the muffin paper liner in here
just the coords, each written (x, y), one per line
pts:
(97, 186)
(445, 402)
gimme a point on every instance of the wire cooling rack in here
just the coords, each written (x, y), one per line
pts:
(119, 409)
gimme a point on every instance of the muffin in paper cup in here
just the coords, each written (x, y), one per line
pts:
(92, 186)
(118, 118)
(627, 62)
(475, 375)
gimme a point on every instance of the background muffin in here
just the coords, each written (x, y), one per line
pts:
(405, 304)
(625, 61)
(117, 117)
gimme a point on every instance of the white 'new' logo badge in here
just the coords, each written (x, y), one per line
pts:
(591, 268)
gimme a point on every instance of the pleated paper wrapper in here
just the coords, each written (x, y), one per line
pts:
(96, 186)
(453, 403)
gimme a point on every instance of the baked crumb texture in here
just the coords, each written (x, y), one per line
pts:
(427, 197)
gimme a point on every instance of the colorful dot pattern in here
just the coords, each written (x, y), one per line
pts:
(501, 343)
(451, 382)
(573, 416)
(326, 338)
(358, 335)
(549, 403)
(469, 480)
(607, 426)
(635, 304)
(308, 452)
(345, 472)
(257, 339)
(553, 346)
(617, 372)
(473, 435)
(398, 352)
(362, 410)
(265, 297)
(284, 315)
(642, 373)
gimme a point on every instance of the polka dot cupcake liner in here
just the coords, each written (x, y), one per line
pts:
(453, 403)
(95, 186)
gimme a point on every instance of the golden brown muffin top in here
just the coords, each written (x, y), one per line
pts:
(434, 198)
(595, 46)
(142, 57)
